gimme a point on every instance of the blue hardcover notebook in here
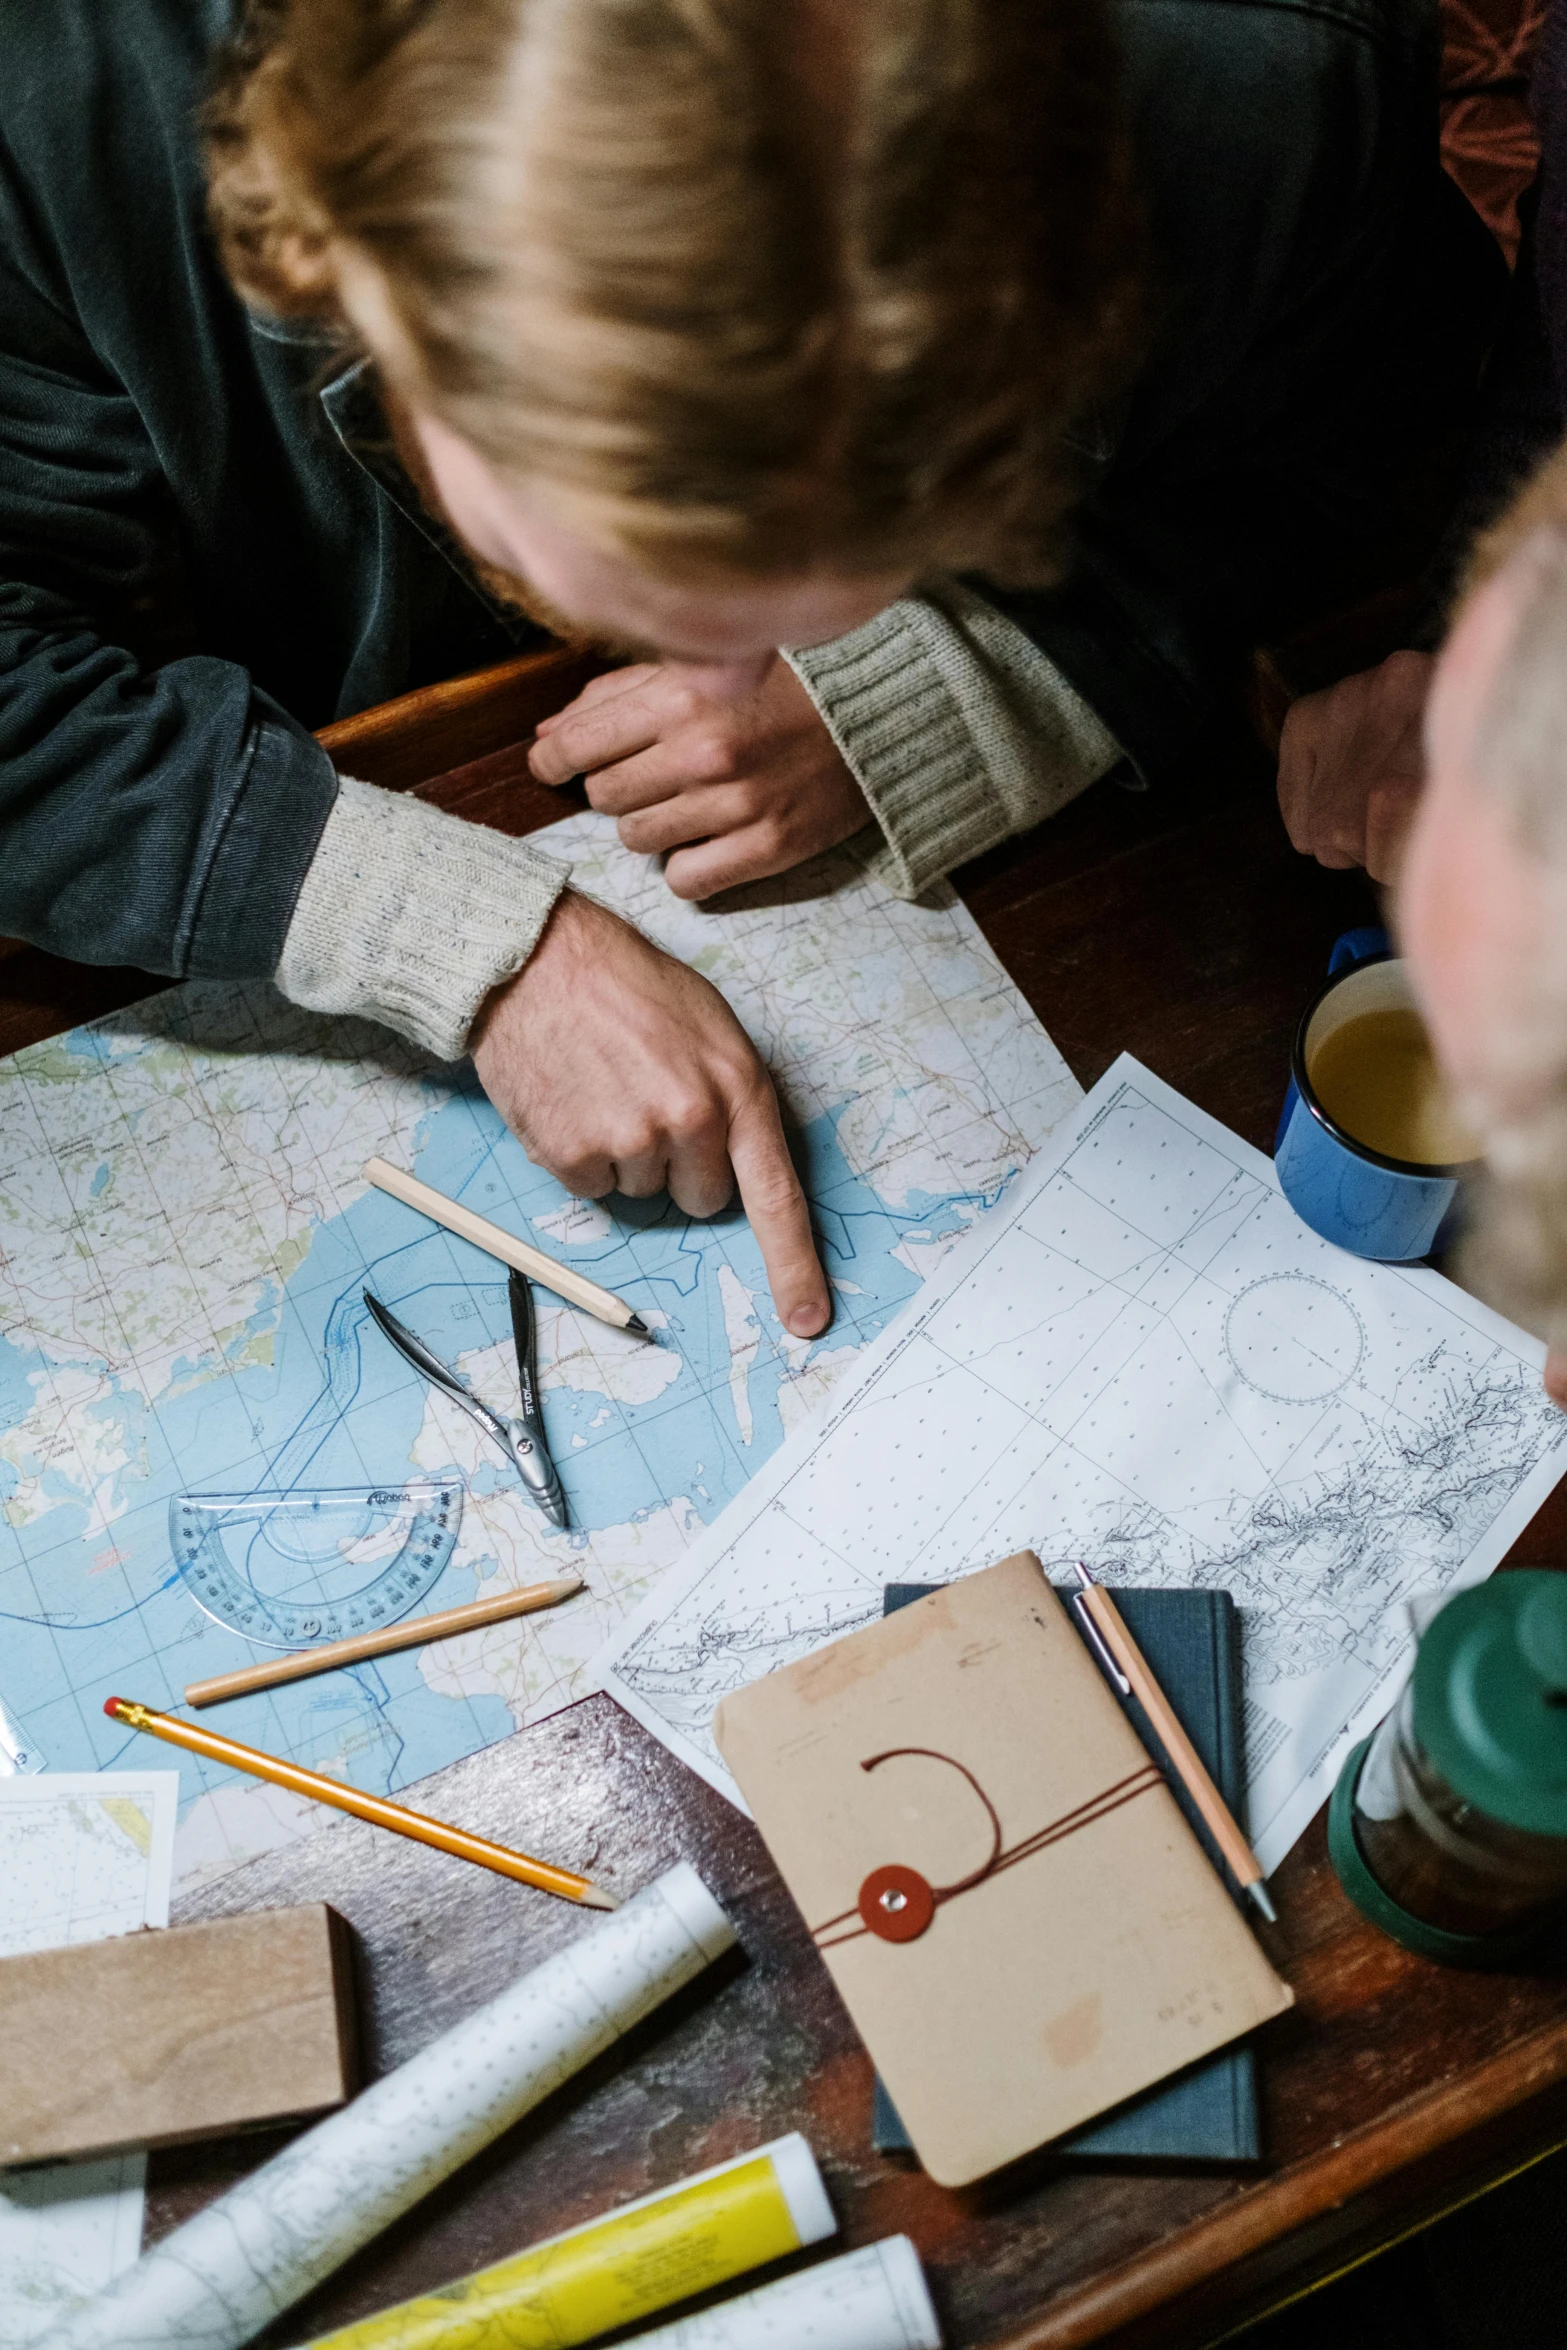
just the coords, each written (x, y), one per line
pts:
(1210, 2114)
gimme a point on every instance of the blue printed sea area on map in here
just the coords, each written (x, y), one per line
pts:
(185, 1233)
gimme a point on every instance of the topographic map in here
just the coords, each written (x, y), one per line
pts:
(185, 1232)
(1142, 1359)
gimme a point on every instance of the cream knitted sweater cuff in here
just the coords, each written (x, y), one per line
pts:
(959, 730)
(410, 916)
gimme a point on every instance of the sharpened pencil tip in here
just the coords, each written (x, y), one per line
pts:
(1259, 1893)
(596, 1898)
(638, 1328)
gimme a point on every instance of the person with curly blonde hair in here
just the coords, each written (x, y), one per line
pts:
(772, 340)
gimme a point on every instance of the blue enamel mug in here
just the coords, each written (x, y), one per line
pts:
(1391, 1209)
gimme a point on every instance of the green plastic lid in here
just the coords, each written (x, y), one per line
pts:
(1490, 1698)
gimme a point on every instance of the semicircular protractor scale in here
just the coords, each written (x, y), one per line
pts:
(295, 1570)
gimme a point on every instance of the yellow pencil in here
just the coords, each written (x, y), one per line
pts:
(374, 1808)
(413, 1632)
(1129, 1659)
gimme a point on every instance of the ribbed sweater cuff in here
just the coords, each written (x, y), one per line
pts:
(410, 916)
(950, 752)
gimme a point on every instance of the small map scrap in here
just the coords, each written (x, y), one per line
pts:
(82, 1856)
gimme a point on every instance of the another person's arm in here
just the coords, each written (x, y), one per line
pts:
(939, 721)
(1350, 761)
(623, 1070)
(1351, 765)
(618, 1068)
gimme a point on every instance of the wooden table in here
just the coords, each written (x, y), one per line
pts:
(1189, 933)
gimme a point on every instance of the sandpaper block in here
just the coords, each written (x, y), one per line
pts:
(175, 2033)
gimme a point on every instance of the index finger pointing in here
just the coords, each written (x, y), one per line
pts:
(771, 1195)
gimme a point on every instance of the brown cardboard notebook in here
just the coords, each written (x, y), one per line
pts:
(1021, 1924)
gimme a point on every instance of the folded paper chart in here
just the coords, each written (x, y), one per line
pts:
(1020, 1922)
(1143, 1359)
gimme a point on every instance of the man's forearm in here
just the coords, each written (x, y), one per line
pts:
(412, 917)
(959, 730)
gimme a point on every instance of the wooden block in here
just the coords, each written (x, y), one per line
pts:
(175, 2033)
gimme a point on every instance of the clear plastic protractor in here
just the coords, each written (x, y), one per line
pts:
(292, 1570)
(18, 1754)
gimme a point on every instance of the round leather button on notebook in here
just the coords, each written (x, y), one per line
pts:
(896, 1903)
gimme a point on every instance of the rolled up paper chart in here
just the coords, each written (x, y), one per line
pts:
(225, 2274)
(873, 2299)
(683, 2240)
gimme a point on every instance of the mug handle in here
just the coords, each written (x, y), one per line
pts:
(1350, 947)
(1358, 946)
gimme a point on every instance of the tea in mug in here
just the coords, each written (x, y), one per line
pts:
(1377, 1078)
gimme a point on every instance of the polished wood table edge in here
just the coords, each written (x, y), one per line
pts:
(1430, 2212)
(1264, 2215)
(402, 743)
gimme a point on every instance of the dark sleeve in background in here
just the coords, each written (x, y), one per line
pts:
(1328, 300)
(1549, 97)
(1504, 139)
(1518, 421)
(164, 816)
(196, 566)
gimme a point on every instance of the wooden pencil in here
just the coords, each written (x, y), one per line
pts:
(1214, 1811)
(375, 1808)
(412, 1633)
(574, 1287)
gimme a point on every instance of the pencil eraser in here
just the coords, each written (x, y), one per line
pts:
(111, 1706)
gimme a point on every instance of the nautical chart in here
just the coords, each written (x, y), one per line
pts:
(1141, 1358)
(185, 1234)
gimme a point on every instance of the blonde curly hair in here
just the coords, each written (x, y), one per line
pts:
(754, 286)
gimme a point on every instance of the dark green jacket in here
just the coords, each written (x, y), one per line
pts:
(199, 561)
(170, 474)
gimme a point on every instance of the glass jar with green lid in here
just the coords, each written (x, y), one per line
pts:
(1448, 1827)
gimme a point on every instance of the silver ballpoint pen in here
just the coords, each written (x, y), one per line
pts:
(521, 1439)
(1132, 1674)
